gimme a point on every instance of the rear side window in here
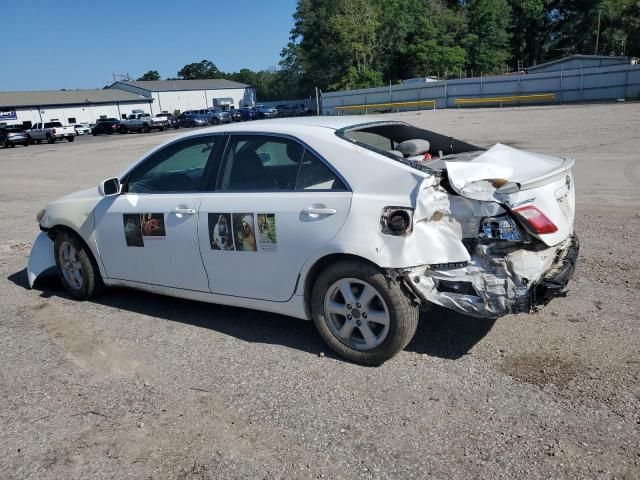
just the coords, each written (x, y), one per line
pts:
(315, 175)
(266, 163)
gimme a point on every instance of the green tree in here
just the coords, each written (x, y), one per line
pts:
(488, 41)
(200, 70)
(150, 75)
(530, 31)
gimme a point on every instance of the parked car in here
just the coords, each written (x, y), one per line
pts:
(10, 136)
(243, 114)
(140, 122)
(215, 116)
(279, 217)
(284, 110)
(51, 131)
(171, 119)
(188, 120)
(160, 122)
(298, 110)
(263, 111)
(105, 126)
(81, 129)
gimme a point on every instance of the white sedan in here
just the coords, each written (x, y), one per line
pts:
(81, 129)
(352, 222)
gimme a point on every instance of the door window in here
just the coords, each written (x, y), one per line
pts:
(177, 168)
(316, 175)
(259, 163)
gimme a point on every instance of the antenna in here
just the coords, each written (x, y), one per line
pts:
(121, 77)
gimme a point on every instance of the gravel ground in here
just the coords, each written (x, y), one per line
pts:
(133, 385)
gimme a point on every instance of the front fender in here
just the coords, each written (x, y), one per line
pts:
(41, 259)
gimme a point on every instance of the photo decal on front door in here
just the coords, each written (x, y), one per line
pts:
(141, 226)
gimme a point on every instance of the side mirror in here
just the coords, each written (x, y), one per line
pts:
(109, 187)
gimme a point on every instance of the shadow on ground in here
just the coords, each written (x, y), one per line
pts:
(441, 332)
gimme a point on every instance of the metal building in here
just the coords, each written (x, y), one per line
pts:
(69, 106)
(576, 62)
(180, 95)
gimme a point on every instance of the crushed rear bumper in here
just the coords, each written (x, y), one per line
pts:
(497, 282)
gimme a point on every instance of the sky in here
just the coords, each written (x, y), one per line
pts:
(50, 45)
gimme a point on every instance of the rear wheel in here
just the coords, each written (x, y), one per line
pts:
(77, 269)
(361, 314)
(39, 141)
(216, 121)
(145, 128)
(122, 129)
(50, 139)
(71, 139)
(26, 144)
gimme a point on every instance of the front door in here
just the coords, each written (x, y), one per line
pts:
(274, 205)
(149, 233)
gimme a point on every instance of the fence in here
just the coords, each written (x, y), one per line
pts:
(576, 85)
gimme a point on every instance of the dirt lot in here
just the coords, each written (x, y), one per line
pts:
(134, 385)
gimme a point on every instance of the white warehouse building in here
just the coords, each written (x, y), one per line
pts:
(69, 106)
(181, 95)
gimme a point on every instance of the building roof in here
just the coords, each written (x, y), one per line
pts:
(171, 85)
(67, 97)
(584, 58)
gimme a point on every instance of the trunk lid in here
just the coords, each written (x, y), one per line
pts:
(520, 181)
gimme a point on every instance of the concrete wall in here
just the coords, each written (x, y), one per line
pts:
(81, 113)
(586, 84)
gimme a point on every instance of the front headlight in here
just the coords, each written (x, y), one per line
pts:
(39, 215)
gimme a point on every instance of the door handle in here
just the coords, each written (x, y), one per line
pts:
(318, 211)
(183, 211)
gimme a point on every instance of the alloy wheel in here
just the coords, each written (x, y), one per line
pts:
(70, 265)
(356, 314)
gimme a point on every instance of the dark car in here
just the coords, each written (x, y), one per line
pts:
(299, 110)
(243, 114)
(12, 136)
(105, 126)
(193, 120)
(284, 110)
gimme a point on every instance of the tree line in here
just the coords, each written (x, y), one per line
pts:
(347, 44)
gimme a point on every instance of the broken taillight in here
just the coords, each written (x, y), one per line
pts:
(537, 220)
(502, 227)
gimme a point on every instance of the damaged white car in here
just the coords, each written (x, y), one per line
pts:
(351, 222)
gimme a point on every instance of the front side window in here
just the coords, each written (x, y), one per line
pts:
(178, 167)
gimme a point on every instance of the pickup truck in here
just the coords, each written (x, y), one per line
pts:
(139, 122)
(51, 131)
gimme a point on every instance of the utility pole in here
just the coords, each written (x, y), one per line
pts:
(598, 34)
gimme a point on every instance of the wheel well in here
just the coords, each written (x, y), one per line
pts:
(319, 266)
(53, 232)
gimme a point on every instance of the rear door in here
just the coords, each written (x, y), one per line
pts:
(149, 233)
(275, 203)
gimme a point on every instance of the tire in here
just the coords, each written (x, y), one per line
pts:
(71, 139)
(396, 313)
(94, 134)
(39, 142)
(51, 139)
(145, 128)
(6, 144)
(216, 121)
(26, 144)
(73, 256)
(12, 145)
(122, 129)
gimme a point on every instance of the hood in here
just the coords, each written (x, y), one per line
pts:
(481, 176)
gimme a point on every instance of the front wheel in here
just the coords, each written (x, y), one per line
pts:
(361, 314)
(78, 272)
(71, 139)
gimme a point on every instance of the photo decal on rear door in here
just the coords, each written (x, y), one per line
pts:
(267, 239)
(138, 226)
(244, 232)
(220, 235)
